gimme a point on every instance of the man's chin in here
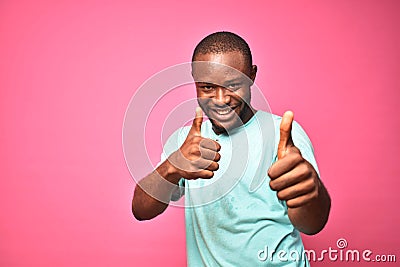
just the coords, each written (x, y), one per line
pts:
(222, 128)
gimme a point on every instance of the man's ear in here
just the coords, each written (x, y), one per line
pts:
(253, 73)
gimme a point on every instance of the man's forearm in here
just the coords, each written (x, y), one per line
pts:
(153, 193)
(312, 217)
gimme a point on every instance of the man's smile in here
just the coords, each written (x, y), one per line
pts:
(222, 113)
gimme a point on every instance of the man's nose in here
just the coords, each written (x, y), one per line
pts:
(222, 96)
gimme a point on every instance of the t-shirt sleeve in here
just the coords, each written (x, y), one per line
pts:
(179, 191)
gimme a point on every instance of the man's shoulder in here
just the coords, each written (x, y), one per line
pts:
(264, 115)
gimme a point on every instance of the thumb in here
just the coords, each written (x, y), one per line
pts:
(198, 120)
(285, 139)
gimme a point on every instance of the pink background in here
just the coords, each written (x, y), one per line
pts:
(69, 68)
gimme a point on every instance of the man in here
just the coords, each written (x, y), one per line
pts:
(250, 187)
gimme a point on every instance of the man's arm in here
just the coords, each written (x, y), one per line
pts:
(196, 158)
(153, 193)
(297, 182)
(312, 217)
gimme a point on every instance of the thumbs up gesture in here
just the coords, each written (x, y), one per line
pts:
(292, 177)
(197, 157)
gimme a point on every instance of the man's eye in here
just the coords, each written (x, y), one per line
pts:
(234, 86)
(207, 88)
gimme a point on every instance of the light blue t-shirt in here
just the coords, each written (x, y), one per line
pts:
(235, 219)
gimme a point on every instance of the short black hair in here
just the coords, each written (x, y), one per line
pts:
(221, 42)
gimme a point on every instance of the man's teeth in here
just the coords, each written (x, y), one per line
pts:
(223, 111)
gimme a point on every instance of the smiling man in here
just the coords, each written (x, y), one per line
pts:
(223, 88)
(249, 177)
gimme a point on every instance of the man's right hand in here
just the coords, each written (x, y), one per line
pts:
(198, 156)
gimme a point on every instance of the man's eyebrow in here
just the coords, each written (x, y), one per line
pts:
(207, 83)
(239, 79)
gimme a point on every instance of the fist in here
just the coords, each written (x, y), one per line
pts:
(198, 156)
(292, 177)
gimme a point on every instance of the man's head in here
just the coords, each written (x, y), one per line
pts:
(223, 72)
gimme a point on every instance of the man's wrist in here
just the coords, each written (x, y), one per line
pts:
(169, 172)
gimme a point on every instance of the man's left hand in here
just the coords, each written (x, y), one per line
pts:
(293, 177)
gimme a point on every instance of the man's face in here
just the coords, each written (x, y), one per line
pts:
(223, 83)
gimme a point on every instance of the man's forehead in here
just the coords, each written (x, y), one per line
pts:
(234, 59)
(214, 72)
